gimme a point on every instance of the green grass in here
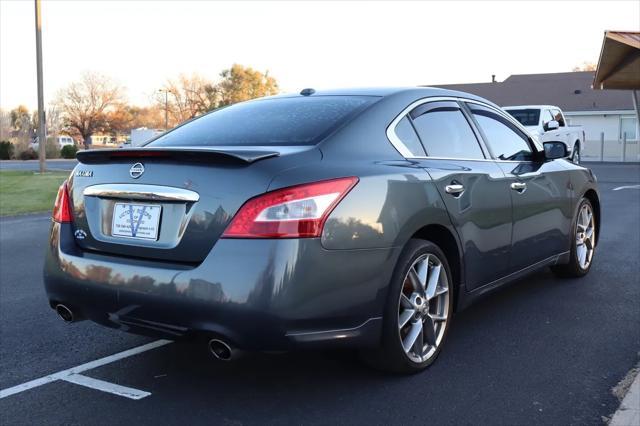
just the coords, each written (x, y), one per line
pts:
(28, 192)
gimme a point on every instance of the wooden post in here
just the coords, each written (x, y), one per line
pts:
(42, 134)
(601, 146)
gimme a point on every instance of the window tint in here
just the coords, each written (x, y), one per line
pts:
(279, 121)
(526, 117)
(445, 132)
(505, 140)
(405, 132)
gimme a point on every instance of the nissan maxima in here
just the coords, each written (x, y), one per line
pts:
(354, 218)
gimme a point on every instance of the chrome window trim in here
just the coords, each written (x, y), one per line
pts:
(404, 151)
(141, 192)
(453, 158)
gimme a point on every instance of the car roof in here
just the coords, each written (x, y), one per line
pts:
(417, 92)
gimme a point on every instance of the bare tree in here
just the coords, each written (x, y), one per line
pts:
(241, 83)
(22, 126)
(85, 104)
(586, 66)
(190, 96)
(54, 122)
(123, 118)
(187, 97)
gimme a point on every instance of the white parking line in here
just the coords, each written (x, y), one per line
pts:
(627, 187)
(108, 387)
(64, 374)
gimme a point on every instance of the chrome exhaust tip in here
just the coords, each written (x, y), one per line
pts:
(221, 350)
(65, 313)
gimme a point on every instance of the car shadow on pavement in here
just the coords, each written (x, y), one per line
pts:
(487, 339)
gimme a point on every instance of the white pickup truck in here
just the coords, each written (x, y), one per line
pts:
(547, 123)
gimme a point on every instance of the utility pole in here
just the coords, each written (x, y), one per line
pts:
(42, 137)
(166, 108)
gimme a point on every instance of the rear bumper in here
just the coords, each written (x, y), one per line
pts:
(259, 294)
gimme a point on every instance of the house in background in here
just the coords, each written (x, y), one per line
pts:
(108, 140)
(142, 134)
(610, 111)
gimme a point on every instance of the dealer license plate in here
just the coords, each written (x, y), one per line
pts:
(139, 221)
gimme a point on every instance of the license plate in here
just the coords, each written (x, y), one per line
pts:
(136, 221)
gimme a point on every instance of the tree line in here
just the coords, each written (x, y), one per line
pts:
(96, 104)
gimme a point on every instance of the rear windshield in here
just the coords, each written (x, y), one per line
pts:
(279, 121)
(526, 117)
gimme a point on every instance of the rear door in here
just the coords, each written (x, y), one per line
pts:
(540, 192)
(472, 187)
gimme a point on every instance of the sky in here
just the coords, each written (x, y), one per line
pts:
(141, 44)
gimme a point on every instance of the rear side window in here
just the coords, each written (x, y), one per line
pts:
(504, 139)
(445, 132)
(268, 122)
(406, 133)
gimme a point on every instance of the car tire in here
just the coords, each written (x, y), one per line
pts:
(420, 296)
(583, 243)
(575, 156)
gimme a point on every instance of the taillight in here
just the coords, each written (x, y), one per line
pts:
(293, 212)
(62, 206)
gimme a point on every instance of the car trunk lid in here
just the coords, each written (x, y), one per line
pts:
(169, 204)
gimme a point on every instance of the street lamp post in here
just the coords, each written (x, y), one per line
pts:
(42, 137)
(166, 108)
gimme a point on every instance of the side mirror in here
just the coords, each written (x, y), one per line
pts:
(551, 125)
(555, 150)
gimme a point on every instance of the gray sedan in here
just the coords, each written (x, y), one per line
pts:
(354, 218)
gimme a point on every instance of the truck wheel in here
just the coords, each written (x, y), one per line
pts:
(575, 157)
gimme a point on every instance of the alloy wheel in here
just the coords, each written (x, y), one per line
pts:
(585, 236)
(423, 308)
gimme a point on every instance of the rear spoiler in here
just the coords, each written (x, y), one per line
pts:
(189, 154)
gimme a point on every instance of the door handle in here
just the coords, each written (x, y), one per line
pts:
(519, 186)
(454, 189)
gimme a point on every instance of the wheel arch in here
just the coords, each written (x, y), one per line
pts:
(593, 198)
(445, 239)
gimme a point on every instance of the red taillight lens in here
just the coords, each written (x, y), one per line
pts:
(62, 206)
(294, 212)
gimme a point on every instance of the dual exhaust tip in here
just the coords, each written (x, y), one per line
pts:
(218, 348)
(65, 313)
(221, 350)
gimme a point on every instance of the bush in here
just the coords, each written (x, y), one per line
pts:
(6, 150)
(28, 154)
(69, 151)
(52, 149)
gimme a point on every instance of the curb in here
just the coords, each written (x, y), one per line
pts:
(628, 414)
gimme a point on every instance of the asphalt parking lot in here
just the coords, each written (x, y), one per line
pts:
(542, 351)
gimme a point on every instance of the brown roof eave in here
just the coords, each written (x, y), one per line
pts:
(619, 62)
